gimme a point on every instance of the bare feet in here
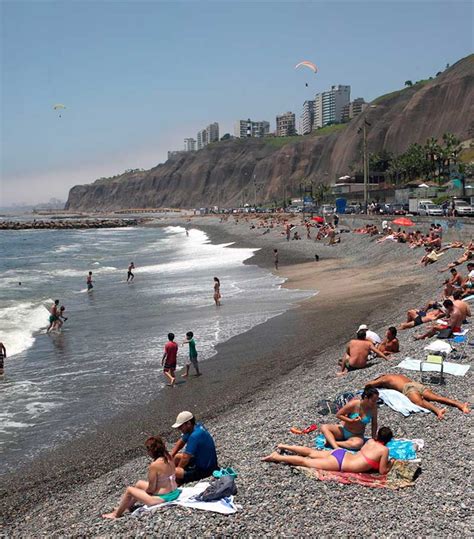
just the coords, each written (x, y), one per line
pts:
(271, 458)
(341, 373)
(184, 375)
(112, 515)
(441, 413)
(465, 408)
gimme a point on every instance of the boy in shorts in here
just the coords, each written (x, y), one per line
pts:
(193, 355)
(169, 359)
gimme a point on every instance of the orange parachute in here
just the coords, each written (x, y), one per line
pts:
(308, 64)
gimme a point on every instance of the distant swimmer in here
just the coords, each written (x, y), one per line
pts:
(187, 231)
(3, 355)
(275, 258)
(130, 275)
(217, 292)
(53, 315)
(89, 282)
(193, 355)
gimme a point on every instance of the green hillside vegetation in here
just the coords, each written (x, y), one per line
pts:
(386, 97)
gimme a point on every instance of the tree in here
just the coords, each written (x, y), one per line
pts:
(320, 193)
(408, 83)
(226, 136)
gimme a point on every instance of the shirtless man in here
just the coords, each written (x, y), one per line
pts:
(453, 283)
(130, 275)
(390, 344)
(53, 315)
(89, 282)
(444, 331)
(3, 355)
(467, 255)
(416, 317)
(357, 353)
(417, 393)
(463, 306)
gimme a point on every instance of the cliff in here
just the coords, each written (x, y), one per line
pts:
(228, 172)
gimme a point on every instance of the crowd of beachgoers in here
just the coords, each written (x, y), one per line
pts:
(238, 439)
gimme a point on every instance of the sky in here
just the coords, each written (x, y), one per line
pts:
(138, 77)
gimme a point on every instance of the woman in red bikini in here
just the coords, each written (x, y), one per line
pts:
(373, 457)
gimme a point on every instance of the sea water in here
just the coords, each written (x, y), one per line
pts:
(108, 353)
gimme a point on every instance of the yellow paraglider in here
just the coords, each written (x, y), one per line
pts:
(309, 65)
(59, 106)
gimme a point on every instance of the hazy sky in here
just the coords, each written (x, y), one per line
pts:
(138, 77)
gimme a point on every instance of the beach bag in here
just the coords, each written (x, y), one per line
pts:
(326, 407)
(219, 488)
(343, 399)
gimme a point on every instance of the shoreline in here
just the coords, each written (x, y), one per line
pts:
(275, 366)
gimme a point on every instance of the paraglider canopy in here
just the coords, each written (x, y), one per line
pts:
(308, 64)
(59, 107)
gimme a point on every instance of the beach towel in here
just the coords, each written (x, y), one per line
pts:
(448, 367)
(399, 402)
(402, 475)
(400, 449)
(439, 346)
(469, 298)
(224, 506)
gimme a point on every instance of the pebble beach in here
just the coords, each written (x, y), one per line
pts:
(289, 364)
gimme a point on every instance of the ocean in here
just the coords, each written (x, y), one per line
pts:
(108, 354)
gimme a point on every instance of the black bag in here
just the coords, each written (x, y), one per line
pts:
(220, 488)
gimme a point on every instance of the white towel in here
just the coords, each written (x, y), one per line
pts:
(224, 506)
(439, 346)
(449, 368)
(399, 402)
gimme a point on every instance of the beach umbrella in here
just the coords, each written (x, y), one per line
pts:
(423, 186)
(318, 219)
(403, 221)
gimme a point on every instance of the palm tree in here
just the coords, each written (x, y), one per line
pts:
(450, 152)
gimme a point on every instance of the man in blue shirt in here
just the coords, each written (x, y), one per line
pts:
(195, 452)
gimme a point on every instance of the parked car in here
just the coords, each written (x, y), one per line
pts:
(327, 209)
(430, 209)
(351, 208)
(462, 208)
(399, 209)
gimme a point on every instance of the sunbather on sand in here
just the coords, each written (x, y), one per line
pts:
(467, 255)
(446, 328)
(453, 283)
(357, 353)
(373, 457)
(417, 393)
(416, 317)
(355, 416)
(463, 306)
(161, 485)
(390, 344)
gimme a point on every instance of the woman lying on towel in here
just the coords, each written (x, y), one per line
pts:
(161, 485)
(373, 457)
(354, 417)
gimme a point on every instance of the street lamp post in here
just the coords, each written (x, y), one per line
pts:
(363, 129)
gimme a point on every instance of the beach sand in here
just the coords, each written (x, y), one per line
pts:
(257, 386)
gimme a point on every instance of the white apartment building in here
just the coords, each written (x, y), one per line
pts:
(307, 118)
(250, 129)
(201, 139)
(207, 135)
(286, 124)
(328, 106)
(189, 145)
(352, 109)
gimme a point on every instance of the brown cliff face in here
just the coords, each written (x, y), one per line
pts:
(228, 173)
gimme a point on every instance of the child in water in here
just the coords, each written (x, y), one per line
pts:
(193, 355)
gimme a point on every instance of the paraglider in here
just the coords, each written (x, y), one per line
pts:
(59, 107)
(309, 65)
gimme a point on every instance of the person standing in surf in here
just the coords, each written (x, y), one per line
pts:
(3, 355)
(275, 258)
(89, 282)
(58, 324)
(169, 359)
(53, 315)
(217, 292)
(130, 275)
(193, 355)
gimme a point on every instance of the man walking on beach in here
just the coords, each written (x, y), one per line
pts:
(357, 353)
(275, 258)
(169, 359)
(198, 458)
(53, 316)
(193, 355)
(130, 275)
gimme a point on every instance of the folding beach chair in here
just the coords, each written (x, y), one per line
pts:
(459, 342)
(432, 360)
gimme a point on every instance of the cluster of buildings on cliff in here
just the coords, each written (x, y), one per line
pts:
(330, 107)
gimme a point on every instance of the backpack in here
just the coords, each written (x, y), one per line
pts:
(219, 488)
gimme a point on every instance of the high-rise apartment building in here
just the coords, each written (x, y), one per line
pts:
(189, 145)
(307, 118)
(207, 135)
(248, 129)
(328, 105)
(285, 124)
(352, 109)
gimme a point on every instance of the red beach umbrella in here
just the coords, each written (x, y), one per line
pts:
(403, 221)
(318, 219)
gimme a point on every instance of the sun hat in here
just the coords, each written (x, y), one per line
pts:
(182, 418)
(363, 326)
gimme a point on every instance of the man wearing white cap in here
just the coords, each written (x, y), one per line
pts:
(195, 452)
(369, 334)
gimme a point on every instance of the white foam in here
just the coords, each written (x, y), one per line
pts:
(73, 247)
(69, 272)
(19, 324)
